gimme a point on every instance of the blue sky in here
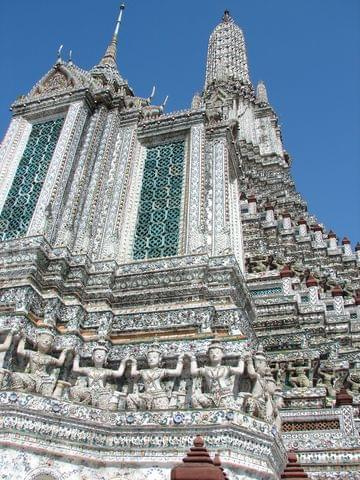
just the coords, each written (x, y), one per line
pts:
(306, 51)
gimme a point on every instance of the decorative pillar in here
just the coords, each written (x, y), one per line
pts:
(287, 225)
(338, 296)
(346, 246)
(217, 198)
(286, 275)
(269, 209)
(313, 287)
(252, 205)
(196, 241)
(318, 234)
(303, 228)
(332, 240)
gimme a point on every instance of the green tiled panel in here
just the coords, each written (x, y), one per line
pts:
(29, 178)
(157, 229)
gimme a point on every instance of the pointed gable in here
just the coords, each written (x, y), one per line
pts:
(61, 78)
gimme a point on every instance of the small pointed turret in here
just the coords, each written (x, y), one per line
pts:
(261, 93)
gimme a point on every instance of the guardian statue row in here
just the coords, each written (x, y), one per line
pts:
(213, 385)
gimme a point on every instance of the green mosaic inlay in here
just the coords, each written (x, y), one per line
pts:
(157, 229)
(29, 178)
(265, 291)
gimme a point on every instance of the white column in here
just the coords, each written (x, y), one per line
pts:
(313, 287)
(332, 240)
(252, 205)
(220, 228)
(269, 209)
(318, 234)
(195, 238)
(303, 229)
(286, 275)
(115, 193)
(346, 246)
(337, 294)
(287, 225)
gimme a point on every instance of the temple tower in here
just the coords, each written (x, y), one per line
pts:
(161, 277)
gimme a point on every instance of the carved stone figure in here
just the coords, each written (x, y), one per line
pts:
(279, 372)
(80, 392)
(95, 391)
(39, 375)
(278, 404)
(354, 379)
(327, 380)
(274, 399)
(4, 347)
(260, 404)
(219, 380)
(299, 375)
(155, 396)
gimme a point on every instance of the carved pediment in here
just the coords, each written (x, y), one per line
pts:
(57, 81)
(62, 77)
(59, 78)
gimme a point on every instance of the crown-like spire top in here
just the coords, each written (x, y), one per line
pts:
(110, 55)
(226, 58)
(227, 17)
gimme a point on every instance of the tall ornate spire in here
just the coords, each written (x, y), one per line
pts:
(110, 55)
(107, 67)
(226, 53)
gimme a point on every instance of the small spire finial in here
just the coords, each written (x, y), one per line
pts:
(110, 55)
(118, 21)
(226, 17)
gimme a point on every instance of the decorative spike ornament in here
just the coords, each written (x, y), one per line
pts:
(109, 57)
